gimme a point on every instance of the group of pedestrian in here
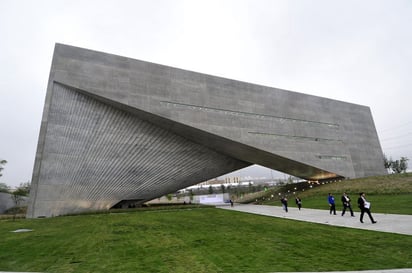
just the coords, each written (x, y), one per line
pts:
(345, 202)
(284, 201)
(363, 205)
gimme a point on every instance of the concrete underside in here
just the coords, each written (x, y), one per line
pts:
(115, 128)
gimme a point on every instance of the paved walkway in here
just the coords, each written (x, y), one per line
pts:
(392, 223)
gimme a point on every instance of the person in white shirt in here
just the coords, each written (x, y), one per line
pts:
(346, 204)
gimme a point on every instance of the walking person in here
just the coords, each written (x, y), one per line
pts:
(284, 202)
(346, 204)
(298, 202)
(365, 206)
(331, 201)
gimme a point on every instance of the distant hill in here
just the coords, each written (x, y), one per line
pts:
(375, 185)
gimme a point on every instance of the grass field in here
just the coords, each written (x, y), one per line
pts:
(194, 240)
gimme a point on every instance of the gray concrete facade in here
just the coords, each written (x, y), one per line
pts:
(116, 128)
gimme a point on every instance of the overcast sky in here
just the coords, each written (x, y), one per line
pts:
(354, 51)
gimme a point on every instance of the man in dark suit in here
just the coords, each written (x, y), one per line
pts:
(364, 207)
(346, 204)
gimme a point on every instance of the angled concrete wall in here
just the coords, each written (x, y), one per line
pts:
(115, 129)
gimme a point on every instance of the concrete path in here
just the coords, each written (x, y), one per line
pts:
(392, 223)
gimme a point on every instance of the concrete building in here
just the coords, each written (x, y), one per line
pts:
(116, 129)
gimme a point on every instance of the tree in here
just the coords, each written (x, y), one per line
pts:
(4, 188)
(23, 189)
(191, 194)
(395, 166)
(2, 163)
(17, 199)
(18, 196)
(399, 166)
(387, 163)
(222, 188)
(403, 164)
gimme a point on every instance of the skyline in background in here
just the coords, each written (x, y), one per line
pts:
(357, 52)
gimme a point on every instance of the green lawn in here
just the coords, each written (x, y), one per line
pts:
(194, 240)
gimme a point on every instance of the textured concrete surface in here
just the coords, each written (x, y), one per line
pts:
(115, 129)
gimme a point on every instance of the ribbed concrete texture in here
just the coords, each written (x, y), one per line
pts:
(117, 129)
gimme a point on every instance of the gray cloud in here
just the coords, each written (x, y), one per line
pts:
(360, 52)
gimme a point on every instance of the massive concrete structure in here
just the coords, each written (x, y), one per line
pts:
(116, 129)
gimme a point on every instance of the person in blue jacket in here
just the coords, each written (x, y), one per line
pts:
(331, 201)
